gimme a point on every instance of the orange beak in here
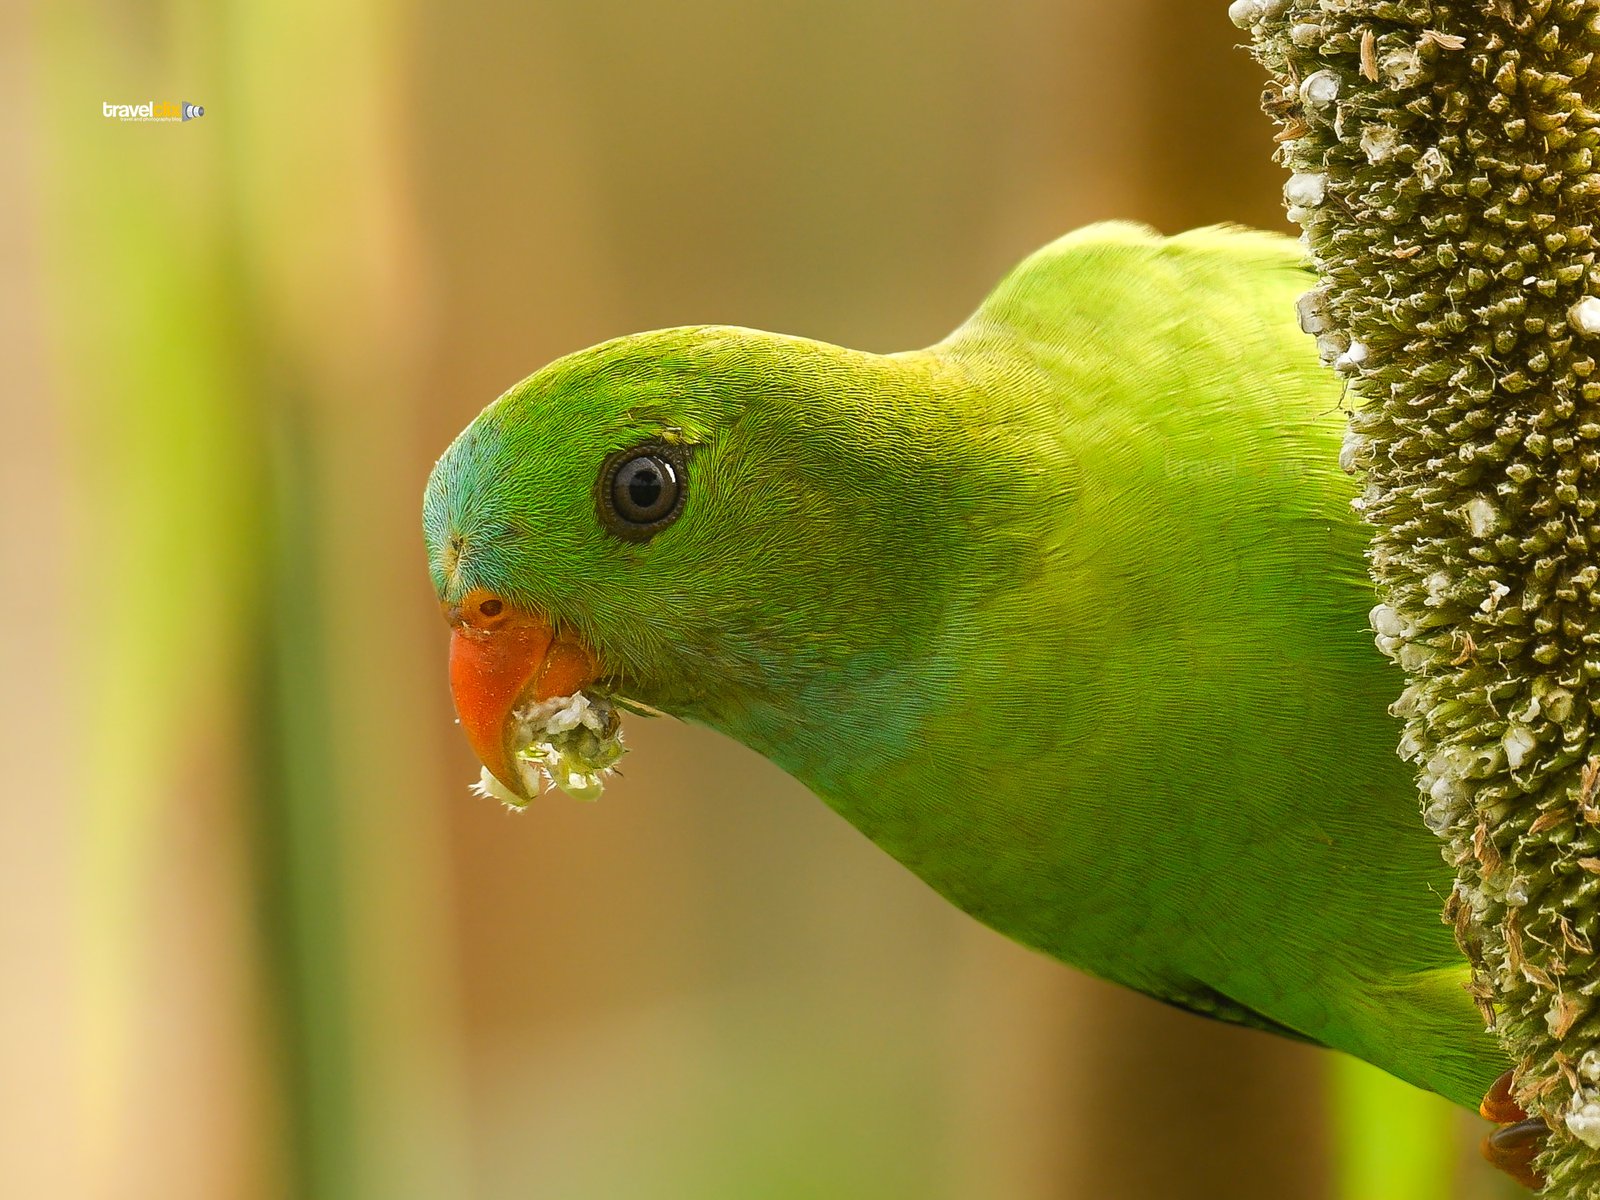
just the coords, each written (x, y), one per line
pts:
(501, 657)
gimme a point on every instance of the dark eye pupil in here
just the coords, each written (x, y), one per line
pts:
(490, 608)
(645, 489)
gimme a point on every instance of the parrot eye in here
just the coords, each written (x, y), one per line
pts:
(642, 490)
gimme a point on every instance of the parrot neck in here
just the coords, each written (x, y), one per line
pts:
(838, 735)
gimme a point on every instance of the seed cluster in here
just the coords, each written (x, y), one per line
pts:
(1443, 159)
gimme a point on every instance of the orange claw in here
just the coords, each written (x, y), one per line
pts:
(1498, 1106)
(1512, 1148)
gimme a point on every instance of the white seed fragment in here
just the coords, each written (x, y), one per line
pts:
(1378, 142)
(1439, 817)
(1497, 592)
(1589, 1066)
(1306, 189)
(1483, 518)
(1583, 1123)
(1416, 657)
(1319, 89)
(1350, 362)
(1352, 452)
(1519, 742)
(1432, 167)
(1583, 1118)
(1330, 345)
(491, 788)
(1385, 621)
(1389, 631)
(1401, 68)
(1444, 789)
(1312, 309)
(1245, 13)
(1409, 700)
(1584, 316)
(1517, 893)
(1475, 900)
(1437, 587)
(1305, 34)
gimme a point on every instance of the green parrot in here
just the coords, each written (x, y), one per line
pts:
(1067, 612)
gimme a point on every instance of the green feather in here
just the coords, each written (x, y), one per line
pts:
(1067, 612)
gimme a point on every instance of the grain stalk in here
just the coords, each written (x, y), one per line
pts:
(1443, 169)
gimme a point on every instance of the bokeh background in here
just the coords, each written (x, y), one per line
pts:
(258, 939)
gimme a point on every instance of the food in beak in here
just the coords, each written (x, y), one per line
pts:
(570, 742)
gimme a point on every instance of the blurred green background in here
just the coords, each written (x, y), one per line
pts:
(259, 941)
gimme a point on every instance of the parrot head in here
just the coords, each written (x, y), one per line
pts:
(691, 519)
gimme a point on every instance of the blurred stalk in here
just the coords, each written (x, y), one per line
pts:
(299, 839)
(37, 1041)
(1395, 1142)
(318, 128)
(143, 318)
(203, 273)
